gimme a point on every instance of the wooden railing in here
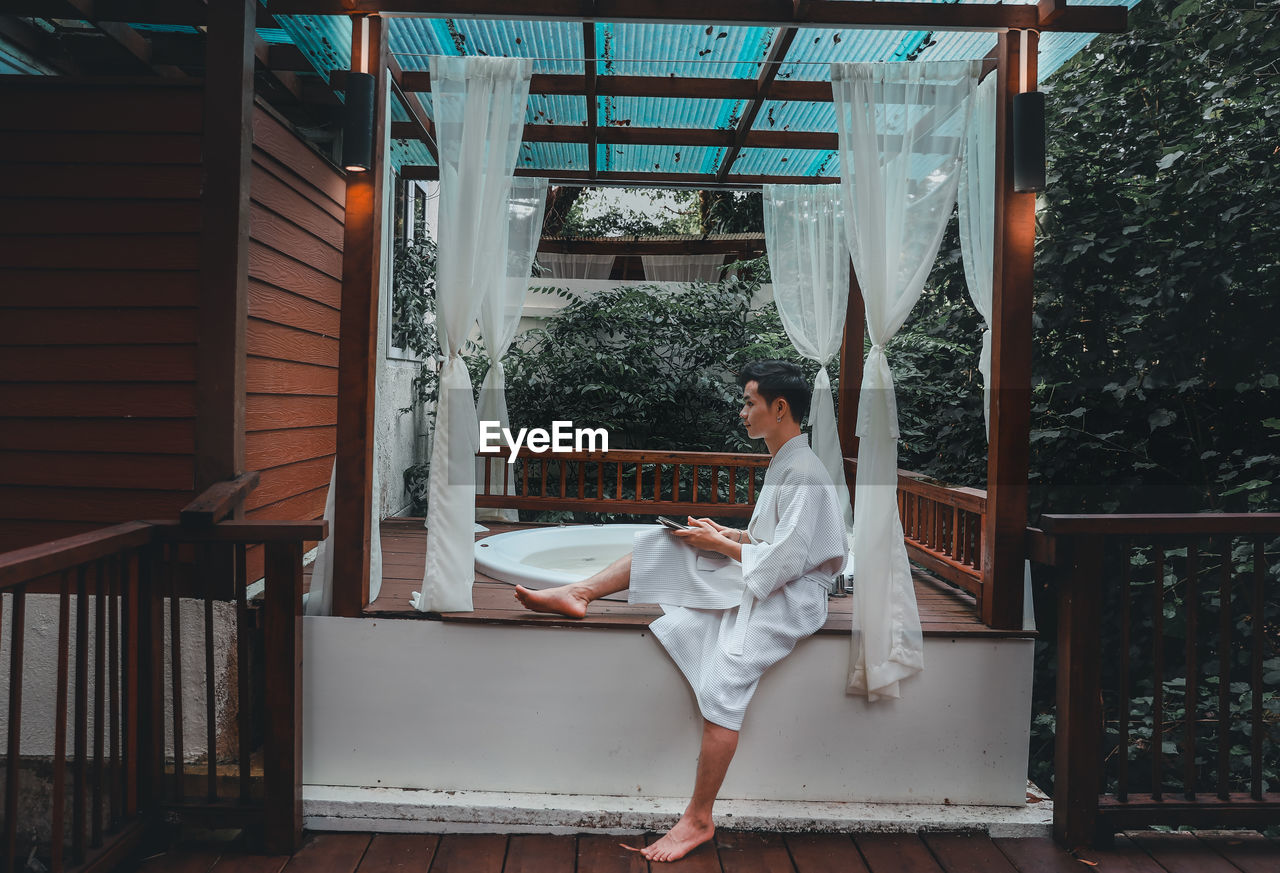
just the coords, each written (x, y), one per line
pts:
(1131, 719)
(110, 694)
(639, 482)
(942, 526)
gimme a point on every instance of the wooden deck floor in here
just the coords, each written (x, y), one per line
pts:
(944, 610)
(739, 852)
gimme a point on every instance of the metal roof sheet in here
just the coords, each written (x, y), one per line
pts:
(677, 50)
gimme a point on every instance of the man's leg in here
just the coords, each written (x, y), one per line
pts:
(572, 600)
(695, 826)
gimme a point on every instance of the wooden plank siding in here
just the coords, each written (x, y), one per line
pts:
(99, 269)
(100, 246)
(295, 282)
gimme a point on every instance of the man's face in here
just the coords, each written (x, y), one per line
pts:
(755, 412)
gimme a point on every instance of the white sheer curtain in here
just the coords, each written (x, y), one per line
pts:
(899, 129)
(809, 262)
(682, 268)
(479, 105)
(564, 266)
(499, 319)
(977, 206)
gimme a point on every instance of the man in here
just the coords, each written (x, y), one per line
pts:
(735, 602)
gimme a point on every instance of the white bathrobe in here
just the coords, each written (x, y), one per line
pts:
(726, 622)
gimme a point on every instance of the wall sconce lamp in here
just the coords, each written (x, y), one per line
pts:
(357, 129)
(1028, 129)
(1028, 142)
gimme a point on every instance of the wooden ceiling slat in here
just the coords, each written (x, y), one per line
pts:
(769, 13)
(766, 77)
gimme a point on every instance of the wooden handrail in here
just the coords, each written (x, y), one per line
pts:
(1160, 524)
(34, 562)
(219, 500)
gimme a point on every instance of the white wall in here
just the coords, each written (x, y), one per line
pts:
(431, 705)
(40, 672)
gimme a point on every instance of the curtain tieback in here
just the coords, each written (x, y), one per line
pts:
(877, 390)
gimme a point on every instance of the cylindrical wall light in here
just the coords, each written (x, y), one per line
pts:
(357, 131)
(1028, 142)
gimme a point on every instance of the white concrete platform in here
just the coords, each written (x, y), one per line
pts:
(549, 711)
(342, 808)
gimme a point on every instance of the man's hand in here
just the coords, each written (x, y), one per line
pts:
(703, 533)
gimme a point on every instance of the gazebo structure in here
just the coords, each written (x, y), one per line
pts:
(195, 343)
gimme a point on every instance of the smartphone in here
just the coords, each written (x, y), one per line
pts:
(672, 523)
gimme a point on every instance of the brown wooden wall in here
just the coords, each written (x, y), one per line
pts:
(100, 219)
(99, 261)
(295, 282)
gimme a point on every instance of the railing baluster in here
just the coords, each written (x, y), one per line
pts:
(600, 480)
(175, 671)
(751, 484)
(1193, 668)
(1157, 680)
(582, 479)
(210, 704)
(82, 716)
(113, 671)
(1257, 632)
(542, 471)
(1225, 656)
(58, 819)
(639, 480)
(955, 533)
(244, 724)
(617, 469)
(675, 483)
(488, 477)
(1126, 598)
(695, 484)
(733, 484)
(99, 698)
(17, 623)
(657, 482)
(564, 478)
(524, 477)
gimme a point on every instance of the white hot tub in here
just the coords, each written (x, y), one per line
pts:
(549, 556)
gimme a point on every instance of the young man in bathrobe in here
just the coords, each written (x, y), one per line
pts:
(735, 602)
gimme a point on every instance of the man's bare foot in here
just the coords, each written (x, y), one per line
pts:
(564, 600)
(682, 839)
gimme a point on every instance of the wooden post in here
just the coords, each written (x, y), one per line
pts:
(855, 325)
(282, 748)
(227, 143)
(1003, 550)
(358, 343)
(1078, 735)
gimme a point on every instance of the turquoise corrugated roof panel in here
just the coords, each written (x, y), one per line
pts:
(657, 159)
(669, 112)
(795, 115)
(324, 39)
(631, 49)
(553, 155)
(555, 45)
(410, 153)
(784, 162)
(556, 109)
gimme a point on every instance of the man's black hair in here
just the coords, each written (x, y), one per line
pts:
(776, 379)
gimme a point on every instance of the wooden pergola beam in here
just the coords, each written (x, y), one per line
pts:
(638, 179)
(589, 88)
(412, 104)
(623, 246)
(764, 13)
(765, 78)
